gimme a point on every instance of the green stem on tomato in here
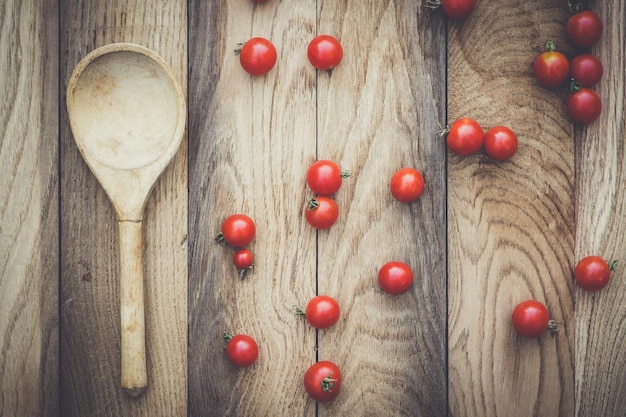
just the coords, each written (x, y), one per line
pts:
(243, 271)
(612, 265)
(574, 7)
(433, 4)
(328, 382)
(553, 326)
(313, 204)
(237, 50)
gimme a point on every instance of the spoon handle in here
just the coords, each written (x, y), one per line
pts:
(134, 374)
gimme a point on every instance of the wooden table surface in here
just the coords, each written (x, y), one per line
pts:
(484, 235)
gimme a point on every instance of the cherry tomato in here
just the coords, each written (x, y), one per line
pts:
(325, 52)
(454, 9)
(241, 350)
(395, 277)
(238, 230)
(243, 259)
(322, 311)
(500, 143)
(407, 185)
(464, 136)
(321, 212)
(592, 273)
(531, 319)
(586, 69)
(325, 177)
(584, 106)
(551, 67)
(257, 56)
(322, 381)
(584, 29)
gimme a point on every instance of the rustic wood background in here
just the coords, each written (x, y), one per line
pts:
(483, 237)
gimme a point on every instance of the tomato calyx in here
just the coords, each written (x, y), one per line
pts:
(313, 204)
(219, 238)
(612, 265)
(328, 383)
(300, 311)
(433, 4)
(237, 50)
(443, 130)
(345, 174)
(574, 7)
(244, 271)
(227, 337)
(550, 45)
(553, 326)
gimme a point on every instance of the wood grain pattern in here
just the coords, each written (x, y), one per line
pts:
(510, 224)
(600, 229)
(483, 236)
(28, 210)
(90, 318)
(251, 139)
(378, 112)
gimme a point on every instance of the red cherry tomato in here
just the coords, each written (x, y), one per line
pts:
(322, 381)
(454, 9)
(500, 143)
(584, 29)
(238, 230)
(325, 177)
(584, 106)
(407, 185)
(464, 137)
(586, 69)
(325, 52)
(241, 350)
(593, 273)
(531, 319)
(257, 56)
(321, 212)
(322, 311)
(243, 259)
(395, 277)
(551, 68)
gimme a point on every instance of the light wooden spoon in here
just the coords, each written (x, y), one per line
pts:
(127, 112)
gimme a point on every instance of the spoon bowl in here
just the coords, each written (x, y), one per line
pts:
(127, 113)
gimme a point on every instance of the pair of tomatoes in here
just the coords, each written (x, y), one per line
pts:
(324, 178)
(552, 68)
(258, 55)
(531, 318)
(466, 137)
(322, 380)
(238, 231)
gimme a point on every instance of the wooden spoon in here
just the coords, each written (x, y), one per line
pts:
(127, 113)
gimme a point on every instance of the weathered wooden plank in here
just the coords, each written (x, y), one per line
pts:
(90, 321)
(251, 139)
(378, 112)
(600, 229)
(510, 224)
(28, 209)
